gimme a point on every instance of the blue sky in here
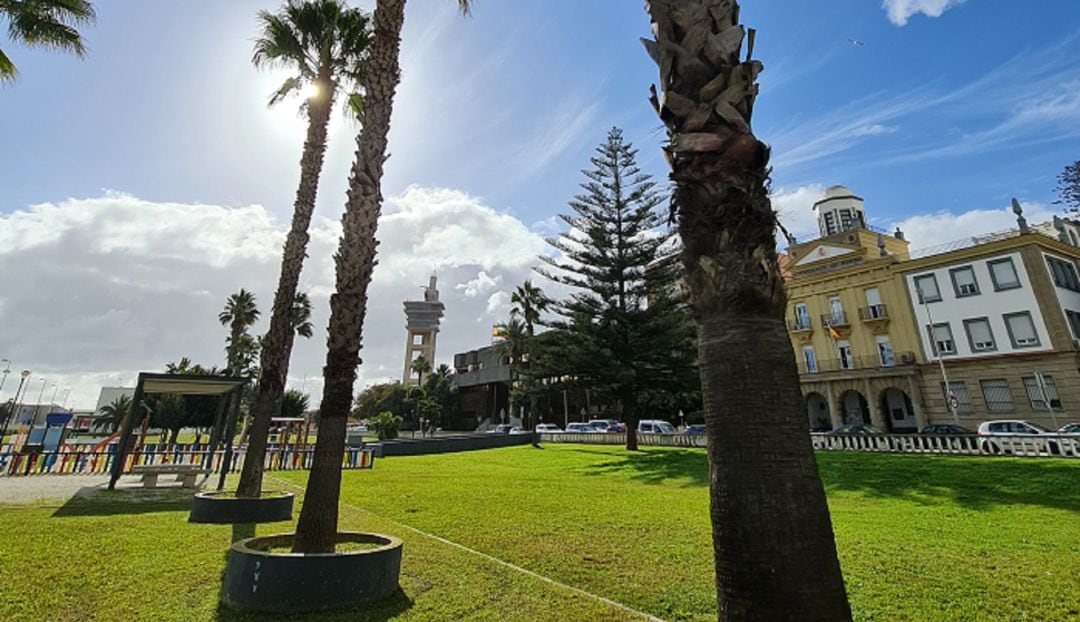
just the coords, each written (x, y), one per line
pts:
(946, 111)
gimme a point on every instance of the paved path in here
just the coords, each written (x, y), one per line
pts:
(26, 489)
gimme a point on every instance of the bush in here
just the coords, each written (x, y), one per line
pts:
(386, 425)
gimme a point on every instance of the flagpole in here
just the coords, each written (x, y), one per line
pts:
(949, 396)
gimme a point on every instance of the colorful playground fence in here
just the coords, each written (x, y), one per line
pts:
(89, 462)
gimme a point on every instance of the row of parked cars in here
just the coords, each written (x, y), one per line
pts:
(601, 426)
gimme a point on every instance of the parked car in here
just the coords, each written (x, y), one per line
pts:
(608, 425)
(945, 428)
(1015, 427)
(582, 428)
(855, 428)
(518, 430)
(502, 428)
(655, 426)
(1070, 428)
(548, 428)
(697, 429)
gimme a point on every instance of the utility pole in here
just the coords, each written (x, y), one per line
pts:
(15, 404)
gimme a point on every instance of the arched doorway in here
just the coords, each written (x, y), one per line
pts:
(817, 412)
(855, 408)
(899, 414)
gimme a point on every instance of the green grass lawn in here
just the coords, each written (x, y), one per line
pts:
(920, 538)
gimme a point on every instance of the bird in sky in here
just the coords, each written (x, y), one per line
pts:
(855, 42)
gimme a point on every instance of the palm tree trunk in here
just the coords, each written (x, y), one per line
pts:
(316, 530)
(772, 537)
(773, 544)
(277, 344)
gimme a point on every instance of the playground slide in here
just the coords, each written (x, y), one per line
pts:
(105, 443)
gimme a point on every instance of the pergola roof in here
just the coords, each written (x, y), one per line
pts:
(189, 384)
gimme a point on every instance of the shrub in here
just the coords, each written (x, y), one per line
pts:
(386, 425)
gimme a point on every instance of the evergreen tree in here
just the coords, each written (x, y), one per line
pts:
(624, 333)
(1068, 187)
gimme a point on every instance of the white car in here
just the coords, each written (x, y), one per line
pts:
(655, 426)
(1014, 428)
(549, 428)
(1070, 429)
(582, 428)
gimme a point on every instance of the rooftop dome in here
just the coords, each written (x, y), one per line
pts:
(835, 192)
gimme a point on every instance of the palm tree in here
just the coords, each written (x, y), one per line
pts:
(325, 44)
(44, 23)
(240, 312)
(514, 347)
(113, 414)
(773, 542)
(528, 301)
(316, 530)
(420, 366)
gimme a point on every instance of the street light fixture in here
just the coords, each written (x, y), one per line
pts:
(6, 371)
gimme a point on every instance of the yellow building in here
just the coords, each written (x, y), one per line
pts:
(871, 325)
(850, 321)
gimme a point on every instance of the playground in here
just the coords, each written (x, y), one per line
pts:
(573, 533)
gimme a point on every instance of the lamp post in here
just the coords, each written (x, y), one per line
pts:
(37, 407)
(6, 371)
(63, 405)
(15, 405)
(950, 397)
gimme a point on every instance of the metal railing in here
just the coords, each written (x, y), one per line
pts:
(76, 462)
(1052, 446)
(856, 363)
(838, 318)
(797, 325)
(873, 312)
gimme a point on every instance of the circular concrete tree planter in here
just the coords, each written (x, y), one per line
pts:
(258, 580)
(226, 508)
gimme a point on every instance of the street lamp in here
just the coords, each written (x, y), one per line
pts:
(15, 404)
(37, 406)
(6, 371)
(67, 392)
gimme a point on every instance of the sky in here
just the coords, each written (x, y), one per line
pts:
(142, 185)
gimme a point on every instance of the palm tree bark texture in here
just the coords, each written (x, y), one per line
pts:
(277, 344)
(773, 543)
(316, 530)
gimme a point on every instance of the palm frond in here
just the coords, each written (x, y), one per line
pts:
(8, 70)
(288, 86)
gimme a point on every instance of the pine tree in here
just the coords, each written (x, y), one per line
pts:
(623, 332)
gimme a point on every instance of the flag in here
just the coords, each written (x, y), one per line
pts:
(833, 332)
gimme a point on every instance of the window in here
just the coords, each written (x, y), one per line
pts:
(874, 308)
(1021, 330)
(1003, 274)
(802, 317)
(885, 353)
(845, 219)
(830, 227)
(843, 351)
(961, 394)
(810, 358)
(1038, 392)
(1074, 322)
(980, 337)
(964, 283)
(927, 289)
(941, 338)
(1064, 273)
(997, 395)
(836, 312)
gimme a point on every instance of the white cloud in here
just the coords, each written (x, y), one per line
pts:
(875, 129)
(794, 208)
(900, 10)
(98, 289)
(927, 232)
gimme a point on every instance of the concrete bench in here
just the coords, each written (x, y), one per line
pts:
(186, 473)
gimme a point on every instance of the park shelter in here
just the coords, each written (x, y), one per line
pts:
(228, 389)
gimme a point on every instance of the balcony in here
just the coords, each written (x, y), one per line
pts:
(874, 313)
(836, 318)
(800, 324)
(857, 363)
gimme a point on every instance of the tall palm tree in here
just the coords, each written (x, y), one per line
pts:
(44, 23)
(240, 312)
(113, 414)
(316, 530)
(420, 366)
(324, 43)
(528, 301)
(773, 542)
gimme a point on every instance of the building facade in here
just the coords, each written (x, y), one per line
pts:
(871, 325)
(422, 319)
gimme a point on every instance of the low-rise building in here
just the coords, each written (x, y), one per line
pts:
(872, 322)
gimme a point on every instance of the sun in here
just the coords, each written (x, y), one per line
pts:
(310, 90)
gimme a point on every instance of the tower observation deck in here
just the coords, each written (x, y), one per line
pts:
(422, 318)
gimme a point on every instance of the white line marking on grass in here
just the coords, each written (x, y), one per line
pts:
(576, 590)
